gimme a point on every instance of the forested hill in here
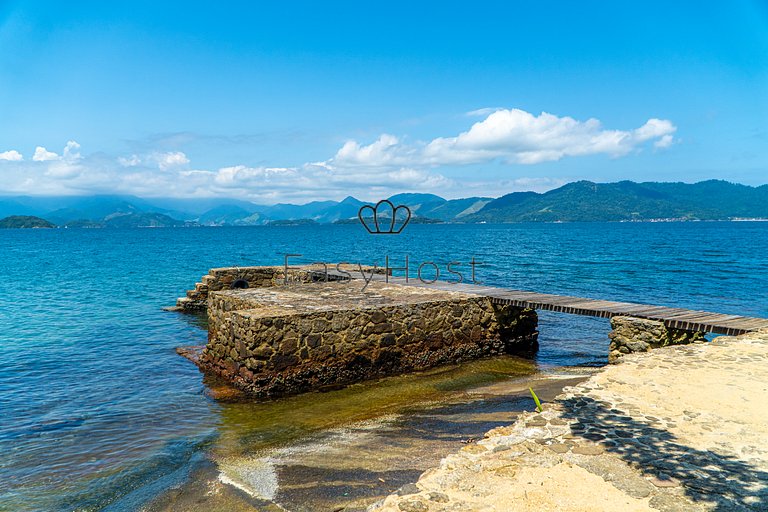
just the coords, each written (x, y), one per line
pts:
(627, 200)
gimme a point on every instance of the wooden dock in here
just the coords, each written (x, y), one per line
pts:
(677, 318)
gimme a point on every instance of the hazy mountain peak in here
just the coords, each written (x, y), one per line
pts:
(416, 198)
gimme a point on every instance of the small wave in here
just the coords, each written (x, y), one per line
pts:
(256, 477)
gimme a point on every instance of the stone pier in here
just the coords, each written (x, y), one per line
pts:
(277, 340)
(275, 331)
(630, 335)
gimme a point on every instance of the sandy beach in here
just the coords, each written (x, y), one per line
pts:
(677, 429)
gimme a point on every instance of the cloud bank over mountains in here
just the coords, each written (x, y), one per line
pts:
(510, 137)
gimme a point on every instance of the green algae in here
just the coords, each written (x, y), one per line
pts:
(248, 427)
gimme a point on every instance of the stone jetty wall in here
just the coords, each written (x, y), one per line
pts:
(276, 342)
(630, 335)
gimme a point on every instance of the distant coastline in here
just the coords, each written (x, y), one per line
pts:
(581, 201)
(309, 222)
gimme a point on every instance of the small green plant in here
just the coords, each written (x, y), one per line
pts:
(536, 399)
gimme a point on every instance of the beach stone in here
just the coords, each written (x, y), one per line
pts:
(408, 489)
(586, 449)
(559, 448)
(438, 497)
(413, 506)
(665, 481)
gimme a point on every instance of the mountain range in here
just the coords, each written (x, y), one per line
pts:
(581, 201)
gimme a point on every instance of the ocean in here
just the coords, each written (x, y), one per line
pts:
(98, 412)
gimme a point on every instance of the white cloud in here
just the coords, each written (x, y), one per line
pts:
(164, 161)
(512, 136)
(654, 128)
(11, 156)
(71, 151)
(170, 160)
(43, 155)
(129, 161)
(386, 151)
(482, 112)
(240, 175)
(664, 142)
(517, 136)
(64, 167)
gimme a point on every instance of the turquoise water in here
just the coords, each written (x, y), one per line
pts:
(97, 411)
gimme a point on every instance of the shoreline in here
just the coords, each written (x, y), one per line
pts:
(634, 437)
(352, 465)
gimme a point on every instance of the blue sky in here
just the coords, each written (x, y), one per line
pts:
(315, 100)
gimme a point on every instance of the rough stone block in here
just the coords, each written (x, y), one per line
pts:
(630, 335)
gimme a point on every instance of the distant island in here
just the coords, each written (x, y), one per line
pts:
(24, 221)
(582, 201)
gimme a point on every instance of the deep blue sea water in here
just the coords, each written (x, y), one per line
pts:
(95, 404)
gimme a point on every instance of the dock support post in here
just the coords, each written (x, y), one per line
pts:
(630, 335)
(518, 329)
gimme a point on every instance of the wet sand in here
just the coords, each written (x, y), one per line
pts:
(349, 448)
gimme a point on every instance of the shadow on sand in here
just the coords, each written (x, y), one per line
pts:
(723, 481)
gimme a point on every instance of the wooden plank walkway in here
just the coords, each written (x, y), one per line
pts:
(677, 318)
